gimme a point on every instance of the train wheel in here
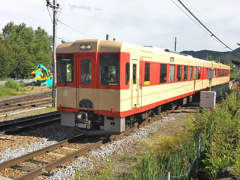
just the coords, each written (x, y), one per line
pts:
(130, 120)
(158, 110)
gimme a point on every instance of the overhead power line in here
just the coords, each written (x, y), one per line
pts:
(76, 30)
(213, 35)
(49, 14)
(189, 17)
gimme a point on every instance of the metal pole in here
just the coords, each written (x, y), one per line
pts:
(54, 87)
(175, 47)
(210, 84)
(238, 66)
(198, 154)
(168, 175)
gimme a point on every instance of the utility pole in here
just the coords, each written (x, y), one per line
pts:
(175, 46)
(55, 7)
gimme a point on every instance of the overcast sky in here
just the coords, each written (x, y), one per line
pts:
(141, 22)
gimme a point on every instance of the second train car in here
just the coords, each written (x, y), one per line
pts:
(102, 85)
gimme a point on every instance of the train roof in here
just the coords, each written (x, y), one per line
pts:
(118, 46)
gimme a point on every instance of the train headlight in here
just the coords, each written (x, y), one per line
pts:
(88, 46)
(82, 46)
(85, 46)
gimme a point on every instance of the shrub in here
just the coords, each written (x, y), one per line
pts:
(12, 84)
(220, 128)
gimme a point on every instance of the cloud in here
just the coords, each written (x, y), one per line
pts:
(79, 7)
(82, 7)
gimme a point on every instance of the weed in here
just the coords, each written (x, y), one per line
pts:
(12, 84)
(147, 169)
(103, 173)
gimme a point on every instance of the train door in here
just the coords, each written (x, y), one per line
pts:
(135, 84)
(85, 93)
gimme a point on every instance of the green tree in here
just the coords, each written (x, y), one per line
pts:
(26, 48)
(42, 49)
(6, 57)
(212, 58)
(227, 59)
(23, 64)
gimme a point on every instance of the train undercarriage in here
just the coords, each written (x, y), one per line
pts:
(93, 124)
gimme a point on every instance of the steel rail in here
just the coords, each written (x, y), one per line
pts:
(58, 162)
(13, 162)
(22, 103)
(22, 128)
(29, 96)
(5, 124)
(41, 102)
(49, 166)
(17, 125)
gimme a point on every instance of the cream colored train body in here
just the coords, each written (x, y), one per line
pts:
(105, 84)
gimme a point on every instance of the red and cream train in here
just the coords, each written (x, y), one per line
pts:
(103, 84)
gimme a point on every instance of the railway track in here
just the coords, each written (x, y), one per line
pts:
(27, 101)
(29, 172)
(21, 124)
(34, 164)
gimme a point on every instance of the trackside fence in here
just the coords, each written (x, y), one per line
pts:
(21, 81)
(168, 173)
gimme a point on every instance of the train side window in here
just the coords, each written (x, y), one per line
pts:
(190, 72)
(147, 74)
(86, 72)
(179, 73)
(65, 68)
(134, 73)
(185, 73)
(172, 73)
(127, 72)
(163, 73)
(109, 69)
(195, 73)
(199, 72)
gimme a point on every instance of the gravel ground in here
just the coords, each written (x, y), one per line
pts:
(26, 142)
(121, 146)
(15, 151)
(12, 146)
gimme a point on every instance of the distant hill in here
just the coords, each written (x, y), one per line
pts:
(204, 53)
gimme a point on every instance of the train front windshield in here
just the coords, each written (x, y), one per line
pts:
(65, 68)
(109, 69)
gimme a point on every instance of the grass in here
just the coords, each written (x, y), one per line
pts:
(7, 92)
(234, 75)
(12, 88)
(103, 173)
(173, 153)
(219, 130)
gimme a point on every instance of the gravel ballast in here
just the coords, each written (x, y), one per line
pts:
(46, 137)
(95, 157)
